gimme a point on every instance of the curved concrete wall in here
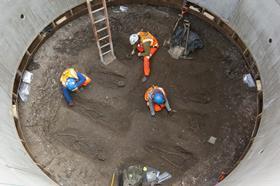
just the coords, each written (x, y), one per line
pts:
(16, 34)
(254, 21)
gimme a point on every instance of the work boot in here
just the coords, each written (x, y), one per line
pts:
(144, 79)
(71, 104)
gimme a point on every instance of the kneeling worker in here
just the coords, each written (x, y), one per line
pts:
(156, 99)
(147, 45)
(71, 81)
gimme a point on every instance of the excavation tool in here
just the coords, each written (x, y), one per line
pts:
(113, 180)
(153, 176)
(179, 38)
(183, 41)
(138, 175)
(101, 29)
(132, 176)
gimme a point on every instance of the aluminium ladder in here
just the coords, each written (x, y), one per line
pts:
(101, 29)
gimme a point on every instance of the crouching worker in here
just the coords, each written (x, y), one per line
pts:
(71, 81)
(156, 99)
(146, 45)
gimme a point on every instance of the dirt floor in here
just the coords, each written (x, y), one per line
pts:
(110, 126)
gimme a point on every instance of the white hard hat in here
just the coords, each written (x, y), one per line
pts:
(133, 38)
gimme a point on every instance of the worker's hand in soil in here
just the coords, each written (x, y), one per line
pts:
(171, 113)
(77, 90)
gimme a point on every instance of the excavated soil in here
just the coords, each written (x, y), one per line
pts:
(110, 126)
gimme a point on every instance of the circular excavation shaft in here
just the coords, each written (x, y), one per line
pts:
(110, 126)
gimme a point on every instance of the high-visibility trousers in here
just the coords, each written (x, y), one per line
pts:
(158, 108)
(146, 59)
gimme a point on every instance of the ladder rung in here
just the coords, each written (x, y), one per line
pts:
(102, 19)
(103, 54)
(94, 11)
(105, 45)
(102, 29)
(103, 38)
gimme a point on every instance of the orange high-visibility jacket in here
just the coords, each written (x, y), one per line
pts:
(148, 37)
(151, 90)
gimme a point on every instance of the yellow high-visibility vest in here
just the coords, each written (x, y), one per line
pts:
(68, 73)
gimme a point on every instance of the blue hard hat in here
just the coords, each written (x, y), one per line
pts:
(158, 98)
(71, 84)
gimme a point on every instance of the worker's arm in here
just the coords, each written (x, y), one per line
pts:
(133, 49)
(81, 80)
(167, 105)
(161, 89)
(151, 106)
(147, 48)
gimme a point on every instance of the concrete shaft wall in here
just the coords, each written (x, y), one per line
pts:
(254, 21)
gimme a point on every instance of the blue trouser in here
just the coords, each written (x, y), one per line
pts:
(67, 93)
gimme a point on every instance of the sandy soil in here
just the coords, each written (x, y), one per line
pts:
(110, 127)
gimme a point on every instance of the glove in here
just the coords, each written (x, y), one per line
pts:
(132, 52)
(139, 54)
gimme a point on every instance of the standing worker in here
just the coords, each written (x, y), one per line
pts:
(71, 81)
(156, 99)
(147, 45)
